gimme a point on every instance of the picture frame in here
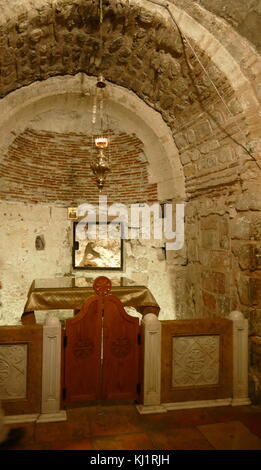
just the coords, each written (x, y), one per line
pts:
(98, 252)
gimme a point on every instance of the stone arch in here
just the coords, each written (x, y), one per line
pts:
(62, 38)
(226, 58)
(22, 21)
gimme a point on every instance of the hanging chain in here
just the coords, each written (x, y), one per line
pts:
(101, 21)
(101, 11)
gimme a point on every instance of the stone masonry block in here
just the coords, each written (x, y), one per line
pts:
(223, 305)
(211, 222)
(189, 170)
(192, 251)
(213, 281)
(185, 158)
(210, 303)
(255, 321)
(249, 290)
(209, 146)
(240, 228)
(247, 255)
(181, 141)
(195, 155)
(255, 226)
(203, 131)
(209, 239)
(220, 260)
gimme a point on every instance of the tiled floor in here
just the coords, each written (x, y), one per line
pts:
(121, 427)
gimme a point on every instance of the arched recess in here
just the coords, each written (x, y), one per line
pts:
(61, 37)
(32, 107)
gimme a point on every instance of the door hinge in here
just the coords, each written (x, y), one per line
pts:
(139, 338)
(65, 342)
(138, 389)
(64, 393)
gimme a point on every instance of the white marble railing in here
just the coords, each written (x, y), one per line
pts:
(51, 372)
(151, 400)
(240, 359)
(152, 366)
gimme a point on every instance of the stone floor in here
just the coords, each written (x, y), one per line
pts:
(121, 427)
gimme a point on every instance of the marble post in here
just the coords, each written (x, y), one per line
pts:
(152, 366)
(51, 372)
(240, 359)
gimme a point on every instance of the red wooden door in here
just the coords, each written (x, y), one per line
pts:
(83, 353)
(120, 371)
(102, 351)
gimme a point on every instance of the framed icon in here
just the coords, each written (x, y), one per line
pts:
(72, 213)
(97, 245)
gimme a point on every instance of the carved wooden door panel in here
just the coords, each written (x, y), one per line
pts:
(83, 354)
(120, 372)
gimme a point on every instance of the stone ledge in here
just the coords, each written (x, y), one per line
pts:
(197, 404)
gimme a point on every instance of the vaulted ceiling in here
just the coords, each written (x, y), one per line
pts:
(133, 48)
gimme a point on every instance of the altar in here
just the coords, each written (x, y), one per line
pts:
(71, 292)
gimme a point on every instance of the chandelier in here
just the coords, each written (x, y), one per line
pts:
(100, 164)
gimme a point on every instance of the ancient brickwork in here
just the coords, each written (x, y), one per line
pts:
(210, 144)
(59, 169)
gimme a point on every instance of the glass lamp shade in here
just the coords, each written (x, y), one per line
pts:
(101, 142)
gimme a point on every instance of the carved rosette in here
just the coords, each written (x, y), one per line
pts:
(195, 361)
(120, 347)
(83, 348)
(13, 371)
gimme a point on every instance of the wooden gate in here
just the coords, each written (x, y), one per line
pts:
(101, 350)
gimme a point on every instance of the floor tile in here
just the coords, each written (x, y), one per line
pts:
(61, 431)
(108, 421)
(119, 427)
(83, 444)
(28, 432)
(179, 419)
(221, 414)
(180, 439)
(253, 423)
(232, 435)
(135, 441)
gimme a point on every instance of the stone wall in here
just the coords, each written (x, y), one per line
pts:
(20, 261)
(223, 255)
(223, 272)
